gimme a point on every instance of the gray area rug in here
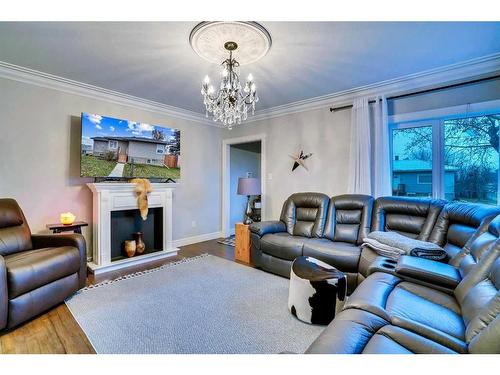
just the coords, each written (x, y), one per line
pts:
(200, 305)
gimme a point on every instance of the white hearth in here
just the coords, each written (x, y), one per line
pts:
(109, 197)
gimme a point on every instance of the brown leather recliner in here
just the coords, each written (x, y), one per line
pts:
(37, 272)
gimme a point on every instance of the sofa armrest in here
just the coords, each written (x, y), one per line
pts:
(429, 271)
(264, 227)
(57, 240)
(4, 295)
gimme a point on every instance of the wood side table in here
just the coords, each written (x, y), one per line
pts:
(242, 249)
(76, 227)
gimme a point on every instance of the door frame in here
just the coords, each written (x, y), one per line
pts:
(226, 149)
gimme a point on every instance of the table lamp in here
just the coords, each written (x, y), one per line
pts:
(248, 186)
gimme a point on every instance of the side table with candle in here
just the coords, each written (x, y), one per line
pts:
(76, 227)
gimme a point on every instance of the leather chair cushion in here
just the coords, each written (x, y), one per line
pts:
(424, 309)
(349, 218)
(458, 221)
(282, 245)
(32, 269)
(10, 213)
(412, 217)
(304, 214)
(396, 340)
(348, 333)
(356, 331)
(404, 224)
(36, 301)
(342, 255)
(15, 234)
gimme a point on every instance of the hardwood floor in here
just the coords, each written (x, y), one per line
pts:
(57, 332)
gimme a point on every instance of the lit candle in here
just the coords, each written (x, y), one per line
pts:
(67, 218)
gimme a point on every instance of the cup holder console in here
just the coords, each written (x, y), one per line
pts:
(382, 264)
(389, 264)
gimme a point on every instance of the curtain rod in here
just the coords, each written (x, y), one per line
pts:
(334, 109)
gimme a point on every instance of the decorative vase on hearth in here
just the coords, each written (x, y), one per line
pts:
(130, 248)
(140, 246)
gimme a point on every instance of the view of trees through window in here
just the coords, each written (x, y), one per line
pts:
(471, 159)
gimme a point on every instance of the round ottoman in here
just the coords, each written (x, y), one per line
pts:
(314, 289)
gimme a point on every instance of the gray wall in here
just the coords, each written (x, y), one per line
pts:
(240, 162)
(40, 158)
(471, 93)
(321, 132)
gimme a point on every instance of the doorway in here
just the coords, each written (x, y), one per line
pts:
(242, 157)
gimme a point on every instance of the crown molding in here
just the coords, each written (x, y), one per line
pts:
(448, 74)
(35, 77)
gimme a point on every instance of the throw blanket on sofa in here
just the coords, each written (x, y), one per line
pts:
(393, 245)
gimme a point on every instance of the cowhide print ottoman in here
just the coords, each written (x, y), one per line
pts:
(314, 289)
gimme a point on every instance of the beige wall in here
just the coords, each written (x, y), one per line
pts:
(39, 158)
(321, 132)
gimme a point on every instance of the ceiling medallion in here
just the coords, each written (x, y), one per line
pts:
(245, 42)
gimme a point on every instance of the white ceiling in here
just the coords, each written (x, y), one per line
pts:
(307, 59)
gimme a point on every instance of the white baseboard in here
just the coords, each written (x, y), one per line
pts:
(196, 239)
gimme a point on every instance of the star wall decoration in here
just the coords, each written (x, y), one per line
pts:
(299, 160)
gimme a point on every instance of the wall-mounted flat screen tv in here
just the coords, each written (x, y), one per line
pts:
(115, 148)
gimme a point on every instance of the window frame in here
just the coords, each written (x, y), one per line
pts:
(436, 118)
(110, 142)
(423, 175)
(162, 148)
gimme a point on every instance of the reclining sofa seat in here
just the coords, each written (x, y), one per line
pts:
(311, 224)
(348, 222)
(36, 271)
(276, 244)
(456, 227)
(411, 217)
(387, 314)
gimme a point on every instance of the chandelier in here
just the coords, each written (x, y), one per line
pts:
(231, 102)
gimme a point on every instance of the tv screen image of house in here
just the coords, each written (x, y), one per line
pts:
(116, 148)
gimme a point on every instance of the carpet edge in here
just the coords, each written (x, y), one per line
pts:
(143, 273)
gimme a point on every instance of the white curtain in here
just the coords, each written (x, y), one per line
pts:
(359, 158)
(381, 153)
(369, 159)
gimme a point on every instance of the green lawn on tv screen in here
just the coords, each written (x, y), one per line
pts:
(151, 171)
(92, 166)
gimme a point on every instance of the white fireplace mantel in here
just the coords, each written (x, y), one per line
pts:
(118, 196)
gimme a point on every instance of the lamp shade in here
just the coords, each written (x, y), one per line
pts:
(248, 186)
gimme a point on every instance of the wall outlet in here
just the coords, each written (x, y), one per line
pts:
(269, 176)
(193, 224)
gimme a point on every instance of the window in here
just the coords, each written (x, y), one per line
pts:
(160, 149)
(452, 158)
(424, 178)
(471, 159)
(113, 145)
(412, 161)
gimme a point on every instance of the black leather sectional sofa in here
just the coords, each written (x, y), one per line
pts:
(413, 305)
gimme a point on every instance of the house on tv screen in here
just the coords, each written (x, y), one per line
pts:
(138, 150)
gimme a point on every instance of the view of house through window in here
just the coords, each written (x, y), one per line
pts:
(470, 159)
(412, 161)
